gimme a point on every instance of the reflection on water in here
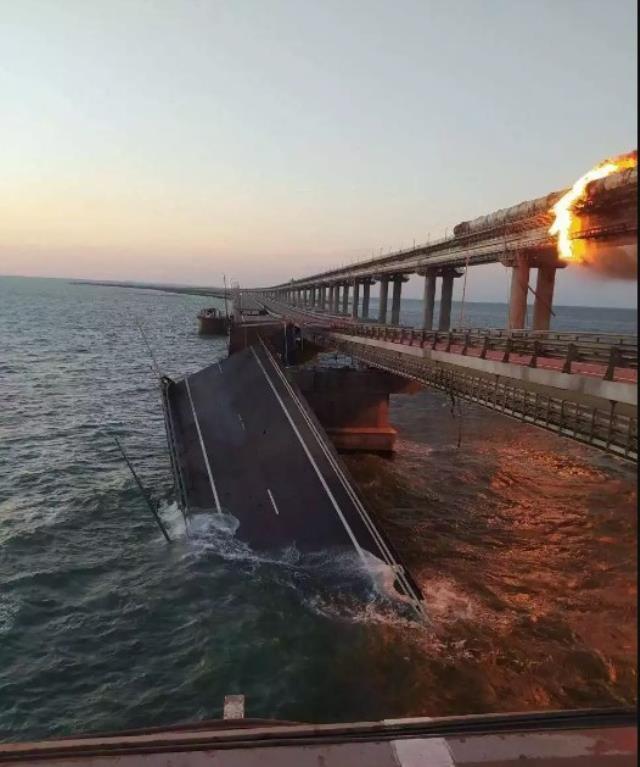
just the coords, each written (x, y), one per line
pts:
(525, 548)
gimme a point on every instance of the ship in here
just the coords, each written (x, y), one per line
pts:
(212, 322)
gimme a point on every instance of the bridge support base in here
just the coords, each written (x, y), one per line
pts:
(352, 405)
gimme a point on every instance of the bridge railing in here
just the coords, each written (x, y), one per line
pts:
(607, 351)
(611, 431)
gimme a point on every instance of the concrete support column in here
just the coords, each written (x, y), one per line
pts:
(429, 299)
(519, 291)
(384, 295)
(446, 296)
(345, 298)
(356, 299)
(395, 299)
(335, 306)
(543, 302)
(366, 295)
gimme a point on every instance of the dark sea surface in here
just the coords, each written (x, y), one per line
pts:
(523, 543)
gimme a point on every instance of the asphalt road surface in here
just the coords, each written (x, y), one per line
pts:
(248, 445)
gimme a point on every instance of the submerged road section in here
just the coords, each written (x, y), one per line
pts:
(244, 442)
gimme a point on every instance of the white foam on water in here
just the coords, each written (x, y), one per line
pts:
(8, 612)
(342, 584)
(364, 592)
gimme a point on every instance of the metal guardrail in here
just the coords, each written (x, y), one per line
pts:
(613, 432)
(608, 350)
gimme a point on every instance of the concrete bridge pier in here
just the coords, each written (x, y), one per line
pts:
(446, 298)
(429, 298)
(384, 296)
(335, 306)
(356, 299)
(396, 297)
(345, 298)
(353, 406)
(519, 293)
(323, 298)
(543, 301)
(366, 295)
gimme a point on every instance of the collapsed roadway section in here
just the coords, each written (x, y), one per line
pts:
(244, 442)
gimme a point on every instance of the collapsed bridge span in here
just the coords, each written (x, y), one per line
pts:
(243, 442)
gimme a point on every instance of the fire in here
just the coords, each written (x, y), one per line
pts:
(564, 208)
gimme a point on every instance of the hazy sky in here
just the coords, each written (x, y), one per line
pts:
(174, 140)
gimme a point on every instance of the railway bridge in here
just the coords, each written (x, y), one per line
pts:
(581, 385)
(606, 230)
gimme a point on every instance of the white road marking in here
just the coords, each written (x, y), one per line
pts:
(219, 367)
(241, 422)
(323, 482)
(204, 452)
(273, 503)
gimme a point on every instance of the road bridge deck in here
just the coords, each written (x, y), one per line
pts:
(564, 383)
(245, 443)
(603, 356)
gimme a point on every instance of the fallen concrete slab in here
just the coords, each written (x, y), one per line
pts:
(245, 443)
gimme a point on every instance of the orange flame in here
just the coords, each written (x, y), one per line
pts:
(565, 207)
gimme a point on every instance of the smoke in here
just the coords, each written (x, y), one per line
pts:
(606, 261)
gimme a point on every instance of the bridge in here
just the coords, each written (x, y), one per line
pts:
(580, 385)
(518, 237)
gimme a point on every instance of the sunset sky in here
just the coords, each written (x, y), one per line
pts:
(176, 140)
